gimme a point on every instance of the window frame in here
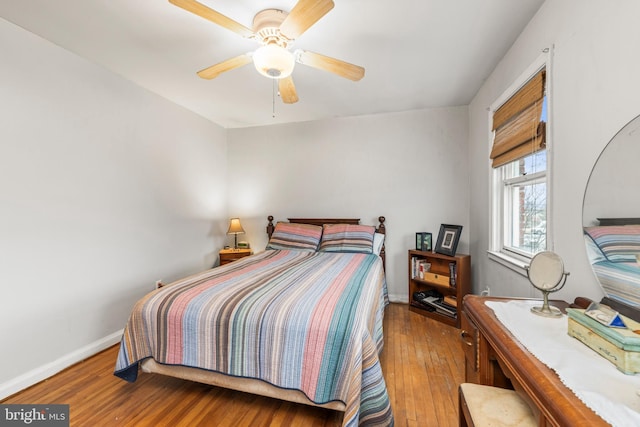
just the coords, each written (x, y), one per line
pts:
(496, 252)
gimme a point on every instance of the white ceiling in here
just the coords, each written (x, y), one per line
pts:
(417, 53)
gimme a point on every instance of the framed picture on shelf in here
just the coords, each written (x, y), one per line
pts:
(423, 242)
(426, 242)
(448, 239)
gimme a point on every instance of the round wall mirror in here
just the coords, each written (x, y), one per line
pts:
(611, 218)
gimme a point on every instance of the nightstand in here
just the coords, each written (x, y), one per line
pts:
(230, 255)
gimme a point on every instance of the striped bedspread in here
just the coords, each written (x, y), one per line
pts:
(309, 321)
(620, 280)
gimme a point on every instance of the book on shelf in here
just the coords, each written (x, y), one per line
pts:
(439, 306)
(453, 274)
(418, 267)
(450, 301)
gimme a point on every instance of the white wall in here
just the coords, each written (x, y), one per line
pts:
(104, 188)
(594, 93)
(610, 195)
(409, 167)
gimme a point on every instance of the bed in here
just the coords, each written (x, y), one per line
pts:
(300, 321)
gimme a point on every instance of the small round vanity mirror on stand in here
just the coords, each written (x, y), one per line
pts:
(546, 273)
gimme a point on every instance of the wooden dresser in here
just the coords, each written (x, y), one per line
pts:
(494, 357)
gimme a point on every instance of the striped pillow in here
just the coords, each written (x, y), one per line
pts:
(347, 238)
(619, 243)
(301, 237)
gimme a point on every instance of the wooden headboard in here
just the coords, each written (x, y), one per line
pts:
(321, 221)
(618, 221)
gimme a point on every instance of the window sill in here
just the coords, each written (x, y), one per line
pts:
(510, 262)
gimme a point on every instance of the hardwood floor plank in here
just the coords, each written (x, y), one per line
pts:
(422, 362)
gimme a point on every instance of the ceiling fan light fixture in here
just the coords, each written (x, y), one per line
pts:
(274, 61)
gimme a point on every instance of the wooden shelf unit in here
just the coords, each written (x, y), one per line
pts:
(440, 269)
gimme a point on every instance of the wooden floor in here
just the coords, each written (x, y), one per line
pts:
(422, 362)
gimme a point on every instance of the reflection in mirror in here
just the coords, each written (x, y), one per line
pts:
(611, 220)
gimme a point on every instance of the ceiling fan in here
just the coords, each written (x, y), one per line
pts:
(276, 31)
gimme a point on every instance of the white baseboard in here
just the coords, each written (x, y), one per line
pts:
(399, 298)
(45, 371)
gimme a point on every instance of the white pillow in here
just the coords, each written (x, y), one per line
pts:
(593, 251)
(378, 240)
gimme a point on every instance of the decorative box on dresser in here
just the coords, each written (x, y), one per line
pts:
(439, 279)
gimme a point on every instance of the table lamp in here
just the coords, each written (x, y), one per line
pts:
(235, 228)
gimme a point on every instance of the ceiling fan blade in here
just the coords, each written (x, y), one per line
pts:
(332, 65)
(303, 15)
(287, 90)
(228, 65)
(213, 16)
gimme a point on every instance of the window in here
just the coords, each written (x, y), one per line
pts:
(520, 178)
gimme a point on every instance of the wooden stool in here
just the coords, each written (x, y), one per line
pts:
(485, 406)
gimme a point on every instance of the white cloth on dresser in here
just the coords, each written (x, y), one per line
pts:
(596, 381)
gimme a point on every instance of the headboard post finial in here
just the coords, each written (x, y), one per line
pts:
(381, 227)
(270, 226)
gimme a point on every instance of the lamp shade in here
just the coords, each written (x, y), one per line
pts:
(273, 61)
(235, 227)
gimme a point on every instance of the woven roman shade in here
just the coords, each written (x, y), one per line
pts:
(517, 125)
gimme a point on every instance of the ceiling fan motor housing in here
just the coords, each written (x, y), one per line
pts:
(273, 59)
(266, 26)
